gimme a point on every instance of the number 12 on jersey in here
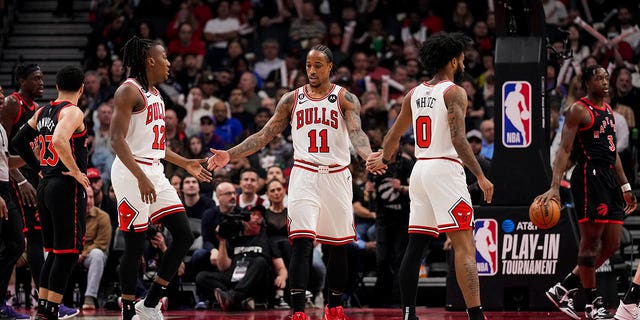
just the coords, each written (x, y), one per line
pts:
(158, 141)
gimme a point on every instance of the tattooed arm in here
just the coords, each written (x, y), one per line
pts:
(456, 101)
(276, 124)
(351, 109)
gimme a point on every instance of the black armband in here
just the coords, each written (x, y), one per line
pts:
(22, 144)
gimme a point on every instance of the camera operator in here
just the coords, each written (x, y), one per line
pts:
(204, 259)
(246, 262)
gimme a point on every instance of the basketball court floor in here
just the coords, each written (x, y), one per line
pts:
(316, 314)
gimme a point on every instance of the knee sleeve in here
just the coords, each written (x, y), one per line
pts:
(61, 271)
(43, 280)
(300, 262)
(35, 253)
(337, 261)
(178, 225)
(129, 263)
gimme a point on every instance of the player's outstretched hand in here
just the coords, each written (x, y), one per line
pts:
(219, 159)
(375, 164)
(147, 191)
(551, 194)
(194, 167)
(487, 189)
(630, 203)
(80, 177)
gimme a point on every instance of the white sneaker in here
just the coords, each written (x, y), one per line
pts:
(627, 311)
(145, 313)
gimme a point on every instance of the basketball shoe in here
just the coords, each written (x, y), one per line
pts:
(627, 311)
(146, 313)
(335, 313)
(299, 316)
(597, 310)
(563, 300)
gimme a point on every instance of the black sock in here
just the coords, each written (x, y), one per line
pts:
(335, 299)
(128, 309)
(409, 313)
(571, 281)
(52, 310)
(42, 307)
(154, 295)
(475, 313)
(591, 294)
(297, 300)
(632, 295)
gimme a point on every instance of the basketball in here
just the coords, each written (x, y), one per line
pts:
(545, 216)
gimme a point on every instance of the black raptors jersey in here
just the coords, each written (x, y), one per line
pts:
(25, 112)
(596, 143)
(49, 160)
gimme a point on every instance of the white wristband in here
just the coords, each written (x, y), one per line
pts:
(22, 182)
(626, 187)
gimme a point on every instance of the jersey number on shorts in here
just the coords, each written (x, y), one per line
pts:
(158, 142)
(423, 128)
(313, 142)
(45, 143)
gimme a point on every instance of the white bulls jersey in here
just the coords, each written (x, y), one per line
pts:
(430, 121)
(318, 129)
(146, 134)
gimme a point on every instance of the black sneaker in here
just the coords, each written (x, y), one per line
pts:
(225, 300)
(597, 310)
(563, 300)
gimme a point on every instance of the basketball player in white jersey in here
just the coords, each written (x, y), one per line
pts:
(143, 192)
(324, 118)
(440, 201)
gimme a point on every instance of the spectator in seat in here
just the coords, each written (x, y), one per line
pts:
(486, 128)
(249, 184)
(186, 43)
(194, 203)
(227, 127)
(101, 153)
(96, 245)
(219, 31)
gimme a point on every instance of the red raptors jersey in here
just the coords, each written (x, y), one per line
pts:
(430, 121)
(318, 129)
(146, 134)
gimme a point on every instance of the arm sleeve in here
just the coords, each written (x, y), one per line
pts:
(22, 144)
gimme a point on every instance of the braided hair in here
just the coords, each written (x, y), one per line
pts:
(327, 53)
(135, 51)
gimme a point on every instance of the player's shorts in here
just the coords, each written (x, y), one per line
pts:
(440, 201)
(63, 209)
(320, 203)
(30, 215)
(596, 194)
(133, 213)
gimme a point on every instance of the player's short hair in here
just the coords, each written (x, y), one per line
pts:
(589, 72)
(70, 79)
(438, 50)
(22, 72)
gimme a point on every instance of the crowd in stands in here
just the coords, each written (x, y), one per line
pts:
(231, 62)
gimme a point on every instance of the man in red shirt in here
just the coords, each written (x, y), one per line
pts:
(187, 44)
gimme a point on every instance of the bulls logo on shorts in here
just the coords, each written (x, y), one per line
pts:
(485, 235)
(516, 115)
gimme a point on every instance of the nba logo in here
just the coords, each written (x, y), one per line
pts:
(485, 235)
(516, 115)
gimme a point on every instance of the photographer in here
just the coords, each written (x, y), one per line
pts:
(246, 262)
